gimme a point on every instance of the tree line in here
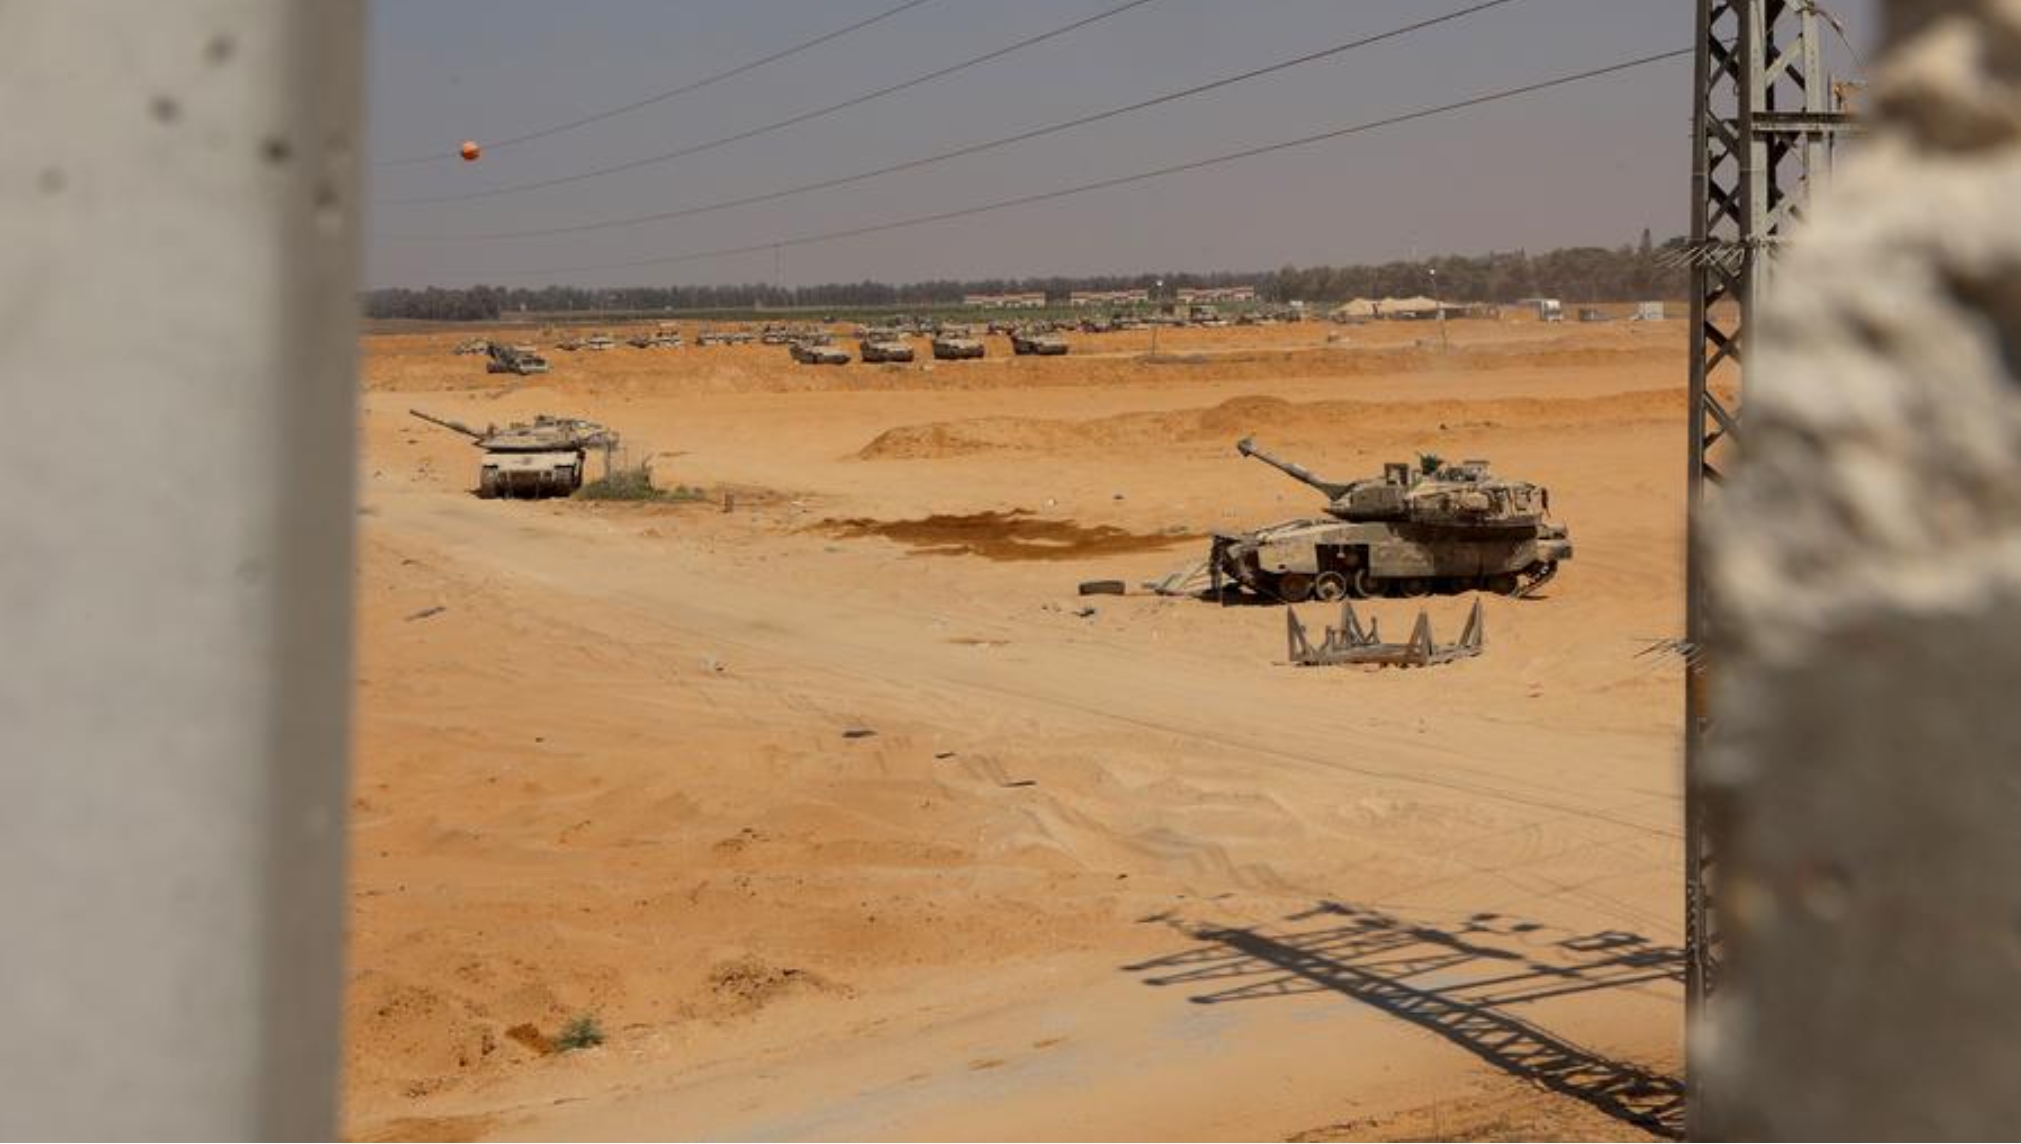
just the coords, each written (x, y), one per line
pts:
(1575, 274)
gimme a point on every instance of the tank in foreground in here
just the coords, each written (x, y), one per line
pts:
(1413, 531)
(532, 459)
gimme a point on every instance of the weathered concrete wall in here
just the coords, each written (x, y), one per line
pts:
(177, 264)
(1867, 566)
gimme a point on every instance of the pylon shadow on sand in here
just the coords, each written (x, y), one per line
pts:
(1391, 964)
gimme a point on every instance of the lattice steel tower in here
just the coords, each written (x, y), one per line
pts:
(1764, 119)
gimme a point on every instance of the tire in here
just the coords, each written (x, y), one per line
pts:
(1330, 587)
(1413, 587)
(1364, 584)
(1294, 587)
(487, 485)
(1502, 584)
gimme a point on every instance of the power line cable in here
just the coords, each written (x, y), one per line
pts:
(684, 89)
(959, 152)
(752, 133)
(1104, 184)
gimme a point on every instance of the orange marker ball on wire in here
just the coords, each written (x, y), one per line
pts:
(470, 150)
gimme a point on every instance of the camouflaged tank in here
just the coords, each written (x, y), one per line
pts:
(884, 346)
(817, 351)
(523, 360)
(1032, 341)
(951, 345)
(1414, 530)
(539, 458)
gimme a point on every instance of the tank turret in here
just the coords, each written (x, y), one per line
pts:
(1429, 493)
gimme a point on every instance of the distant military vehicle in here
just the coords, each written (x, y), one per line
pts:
(884, 346)
(571, 344)
(522, 360)
(599, 342)
(775, 334)
(950, 345)
(473, 346)
(539, 458)
(1414, 530)
(660, 340)
(810, 352)
(1033, 342)
(724, 338)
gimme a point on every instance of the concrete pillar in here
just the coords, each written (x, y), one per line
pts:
(1868, 572)
(178, 252)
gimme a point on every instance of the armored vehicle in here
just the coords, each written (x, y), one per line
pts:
(522, 360)
(473, 346)
(663, 339)
(883, 346)
(1033, 342)
(724, 338)
(599, 342)
(951, 346)
(812, 352)
(1414, 530)
(538, 458)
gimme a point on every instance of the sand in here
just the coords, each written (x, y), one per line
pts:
(843, 820)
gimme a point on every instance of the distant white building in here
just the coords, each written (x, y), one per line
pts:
(1191, 295)
(1109, 297)
(1032, 301)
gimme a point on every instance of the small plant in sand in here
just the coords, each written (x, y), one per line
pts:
(635, 483)
(581, 1032)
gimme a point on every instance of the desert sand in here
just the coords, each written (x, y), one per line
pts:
(843, 820)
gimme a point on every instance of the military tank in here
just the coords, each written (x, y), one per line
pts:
(1029, 341)
(884, 346)
(523, 360)
(538, 458)
(1415, 530)
(951, 346)
(817, 351)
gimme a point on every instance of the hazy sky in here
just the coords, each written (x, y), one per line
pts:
(1591, 163)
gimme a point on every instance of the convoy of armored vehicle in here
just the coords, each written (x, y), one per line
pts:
(1412, 531)
(539, 458)
(724, 338)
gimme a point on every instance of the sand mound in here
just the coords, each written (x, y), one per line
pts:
(1241, 416)
(1013, 535)
(744, 985)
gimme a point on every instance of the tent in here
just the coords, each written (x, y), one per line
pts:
(1409, 307)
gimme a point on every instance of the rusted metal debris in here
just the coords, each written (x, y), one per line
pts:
(1352, 643)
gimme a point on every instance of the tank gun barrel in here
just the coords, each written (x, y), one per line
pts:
(1247, 447)
(452, 426)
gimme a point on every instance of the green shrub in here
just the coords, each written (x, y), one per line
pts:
(635, 484)
(582, 1032)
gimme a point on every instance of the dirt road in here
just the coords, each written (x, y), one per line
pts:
(843, 819)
